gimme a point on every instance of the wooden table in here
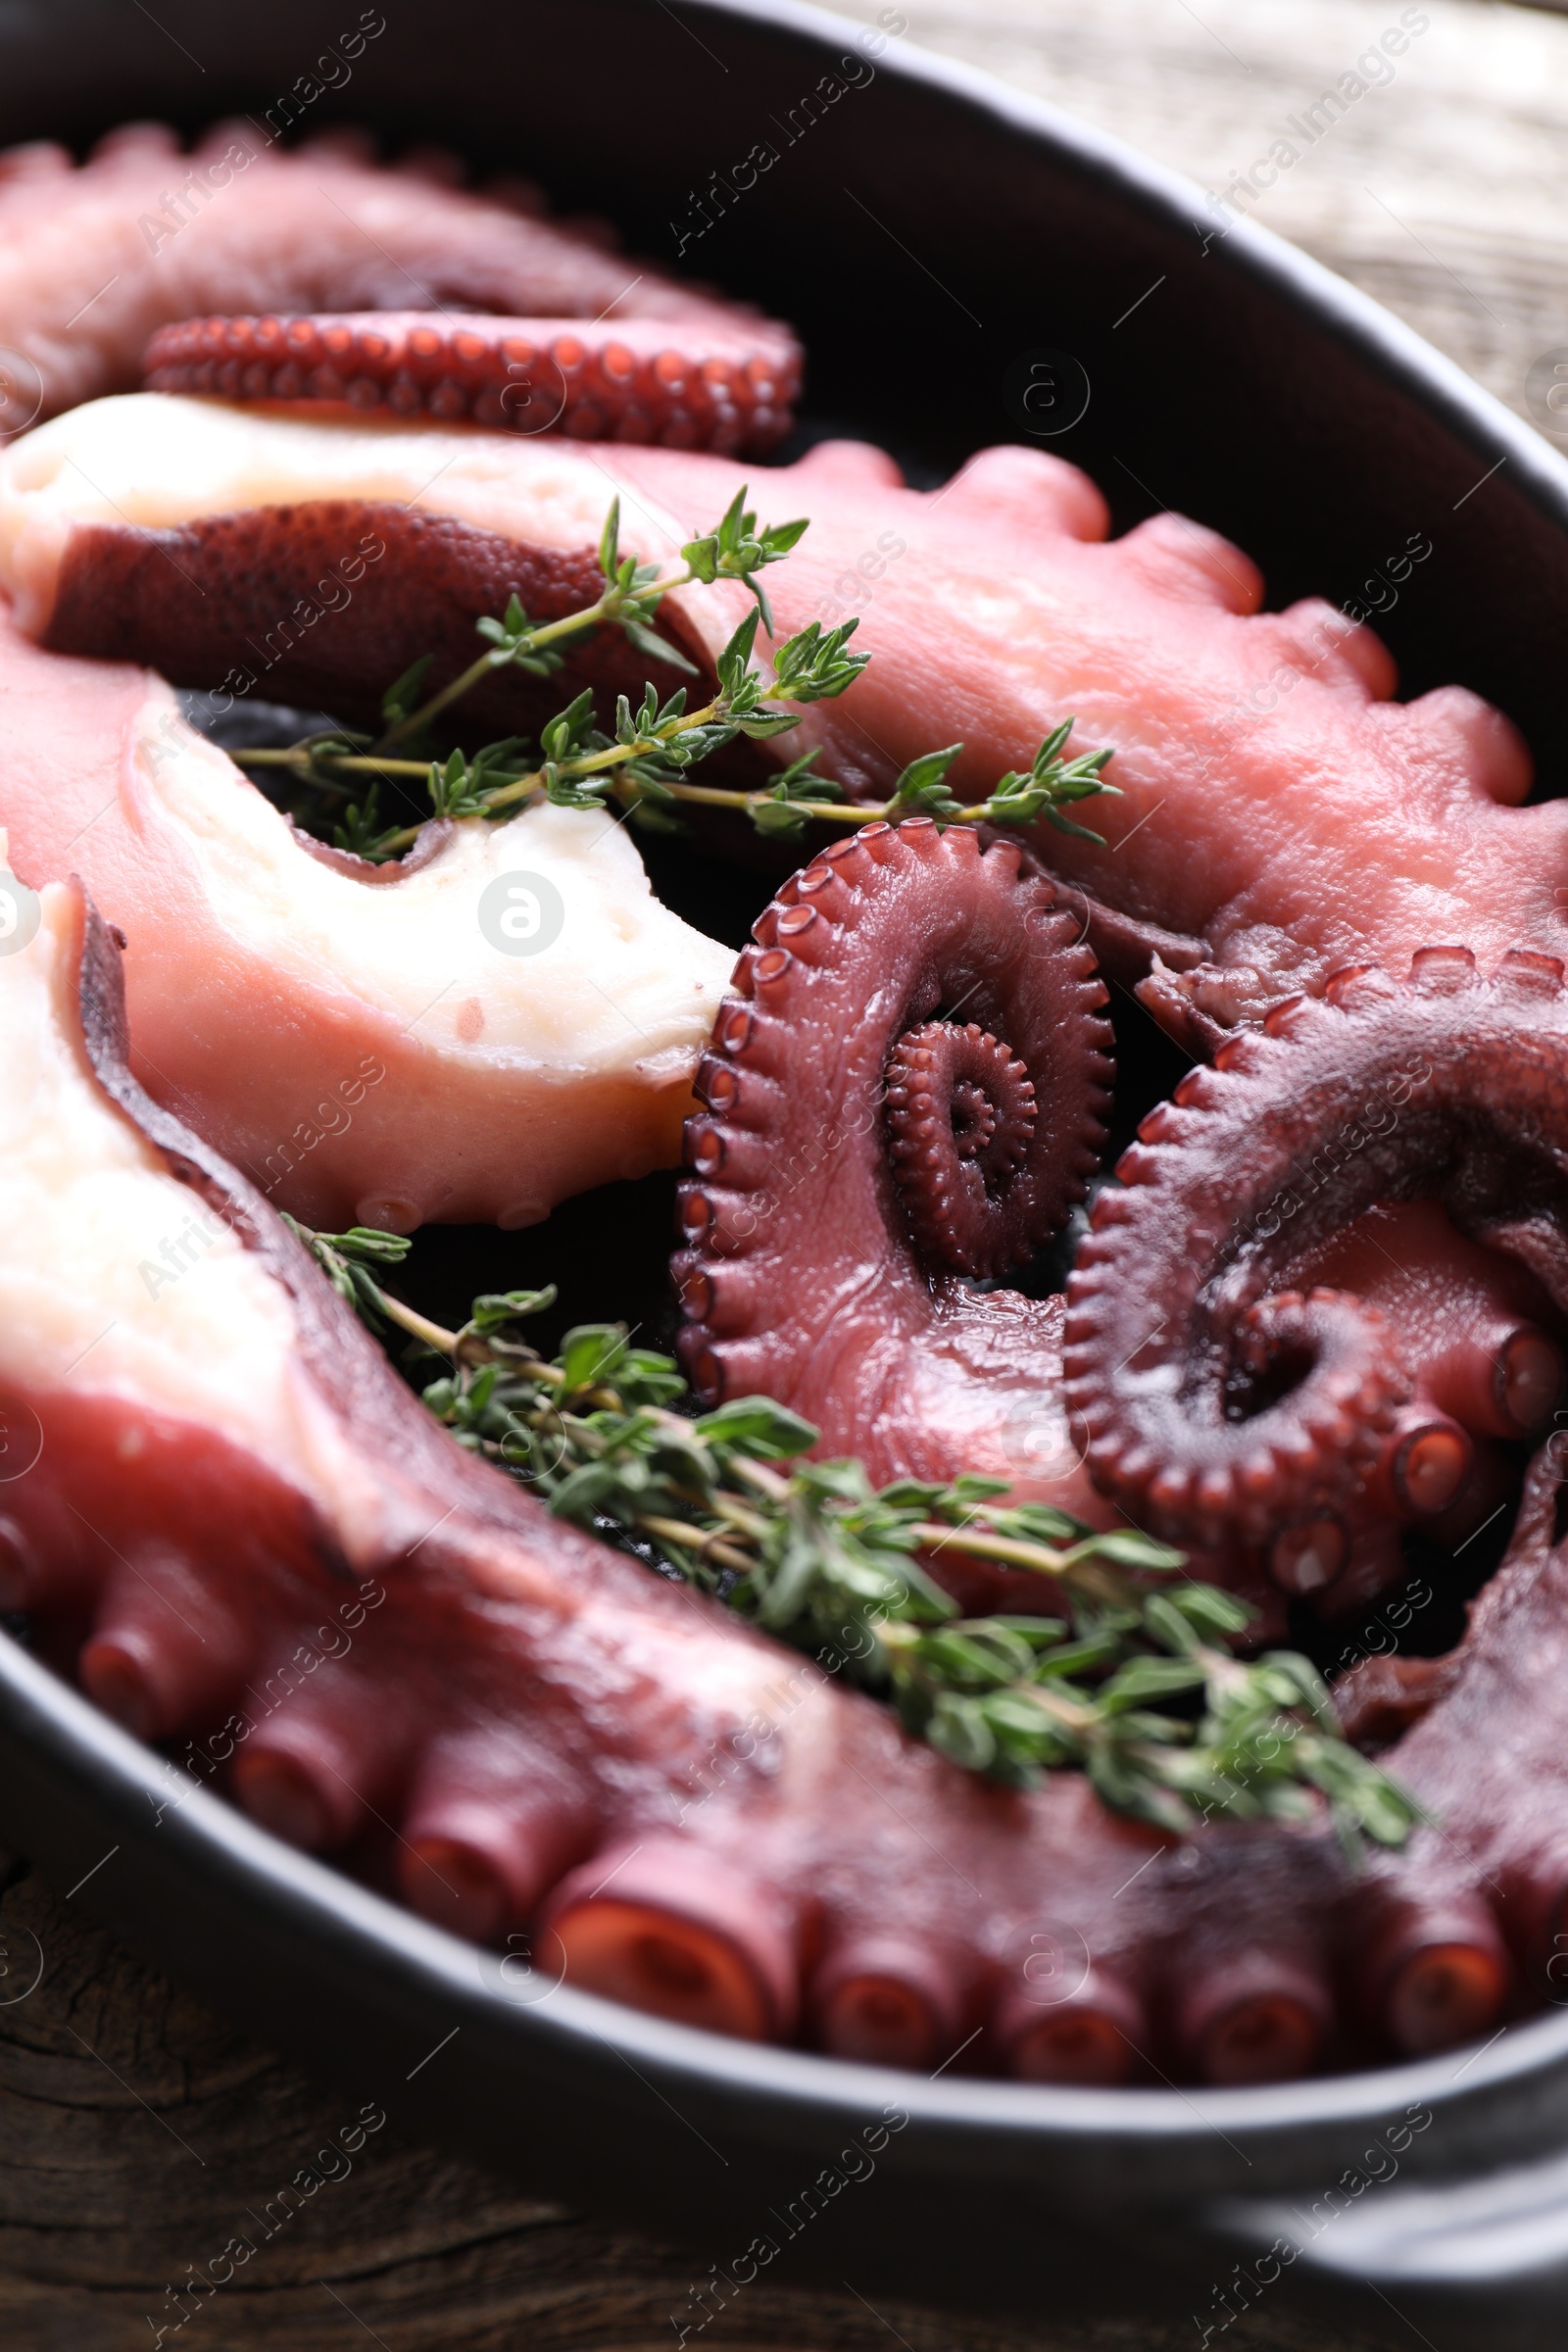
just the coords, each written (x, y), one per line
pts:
(136, 2130)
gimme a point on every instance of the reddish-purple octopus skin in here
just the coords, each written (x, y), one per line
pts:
(1222, 1386)
(1449, 1095)
(704, 384)
(1280, 814)
(295, 249)
(1468, 1924)
(908, 1087)
(528, 1729)
(859, 1165)
(1324, 1299)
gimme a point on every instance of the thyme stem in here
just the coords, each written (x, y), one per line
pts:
(530, 788)
(608, 607)
(1006, 1551)
(684, 1537)
(304, 762)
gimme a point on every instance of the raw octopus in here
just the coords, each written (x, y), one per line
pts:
(93, 261)
(522, 1725)
(1292, 1328)
(898, 1153)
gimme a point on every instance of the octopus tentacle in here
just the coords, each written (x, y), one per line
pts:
(200, 602)
(1448, 1086)
(414, 1654)
(290, 235)
(1469, 1919)
(863, 1140)
(1215, 758)
(411, 1664)
(228, 910)
(408, 1652)
(961, 1113)
(708, 384)
(1471, 1324)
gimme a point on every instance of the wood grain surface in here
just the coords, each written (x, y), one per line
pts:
(136, 2131)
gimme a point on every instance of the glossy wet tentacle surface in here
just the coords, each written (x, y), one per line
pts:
(238, 225)
(233, 602)
(1212, 1392)
(707, 385)
(1468, 1924)
(1335, 1405)
(408, 1664)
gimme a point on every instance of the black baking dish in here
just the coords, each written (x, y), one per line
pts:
(932, 236)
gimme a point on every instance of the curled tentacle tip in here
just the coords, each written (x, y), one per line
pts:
(926, 1145)
(961, 1113)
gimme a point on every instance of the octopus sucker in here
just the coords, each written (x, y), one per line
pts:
(909, 1085)
(721, 386)
(307, 241)
(1399, 1140)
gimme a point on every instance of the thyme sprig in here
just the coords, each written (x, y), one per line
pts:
(814, 1554)
(643, 764)
(734, 550)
